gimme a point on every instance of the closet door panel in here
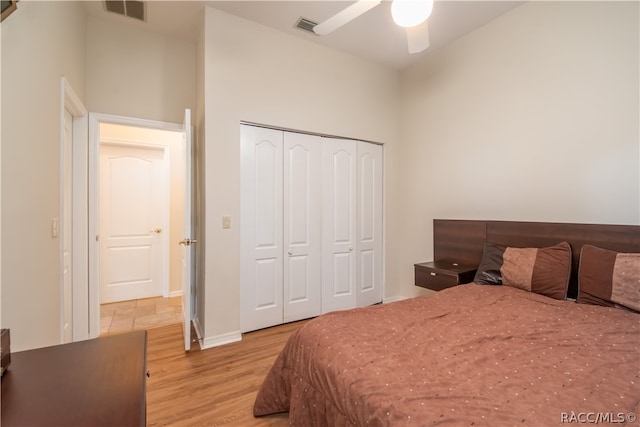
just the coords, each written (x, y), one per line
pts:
(370, 225)
(265, 282)
(339, 224)
(302, 227)
(342, 274)
(366, 271)
(261, 260)
(267, 195)
(342, 179)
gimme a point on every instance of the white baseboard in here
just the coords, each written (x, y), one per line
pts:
(174, 294)
(393, 299)
(219, 340)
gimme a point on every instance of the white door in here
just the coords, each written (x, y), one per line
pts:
(302, 227)
(261, 263)
(369, 220)
(339, 224)
(188, 285)
(66, 238)
(133, 217)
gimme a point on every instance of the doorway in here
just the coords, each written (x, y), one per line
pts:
(138, 217)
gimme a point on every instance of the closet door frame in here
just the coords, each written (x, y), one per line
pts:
(311, 225)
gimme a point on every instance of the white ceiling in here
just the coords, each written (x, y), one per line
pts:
(372, 36)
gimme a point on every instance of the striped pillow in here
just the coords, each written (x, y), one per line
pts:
(544, 271)
(609, 278)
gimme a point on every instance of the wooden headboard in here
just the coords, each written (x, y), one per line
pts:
(462, 241)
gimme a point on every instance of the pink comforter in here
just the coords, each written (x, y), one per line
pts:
(469, 355)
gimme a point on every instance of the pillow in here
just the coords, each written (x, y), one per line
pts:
(545, 271)
(488, 272)
(609, 278)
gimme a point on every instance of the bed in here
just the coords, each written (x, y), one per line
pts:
(518, 352)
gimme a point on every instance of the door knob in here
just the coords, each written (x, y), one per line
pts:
(156, 230)
(290, 252)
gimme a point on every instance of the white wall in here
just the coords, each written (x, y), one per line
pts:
(137, 73)
(41, 41)
(532, 117)
(256, 74)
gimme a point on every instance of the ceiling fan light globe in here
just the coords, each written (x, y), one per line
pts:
(409, 13)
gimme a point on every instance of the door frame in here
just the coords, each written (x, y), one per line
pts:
(70, 101)
(95, 119)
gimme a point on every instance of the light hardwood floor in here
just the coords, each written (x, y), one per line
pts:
(213, 387)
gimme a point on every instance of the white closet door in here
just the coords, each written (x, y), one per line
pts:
(302, 227)
(369, 224)
(261, 231)
(339, 228)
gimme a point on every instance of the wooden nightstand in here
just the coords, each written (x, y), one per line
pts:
(438, 275)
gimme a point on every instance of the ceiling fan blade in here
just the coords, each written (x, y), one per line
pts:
(418, 38)
(344, 16)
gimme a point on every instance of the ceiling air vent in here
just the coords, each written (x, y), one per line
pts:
(306, 25)
(131, 8)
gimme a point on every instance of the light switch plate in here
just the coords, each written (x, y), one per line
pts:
(54, 227)
(226, 222)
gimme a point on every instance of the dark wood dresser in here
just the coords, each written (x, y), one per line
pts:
(98, 382)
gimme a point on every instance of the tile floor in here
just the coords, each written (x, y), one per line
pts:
(139, 314)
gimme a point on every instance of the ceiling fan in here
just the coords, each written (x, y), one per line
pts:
(410, 14)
